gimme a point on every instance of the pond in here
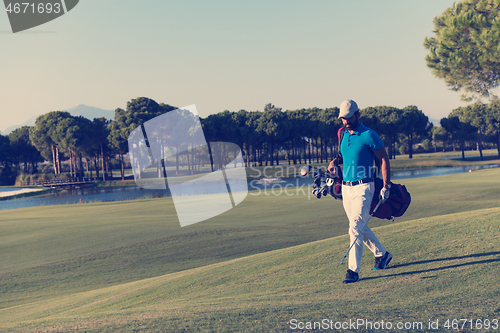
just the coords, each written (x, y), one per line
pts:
(82, 195)
(107, 194)
(438, 171)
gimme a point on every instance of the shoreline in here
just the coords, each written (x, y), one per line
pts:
(22, 192)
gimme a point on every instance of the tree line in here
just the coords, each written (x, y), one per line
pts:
(476, 123)
(267, 137)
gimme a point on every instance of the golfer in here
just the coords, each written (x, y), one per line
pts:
(358, 149)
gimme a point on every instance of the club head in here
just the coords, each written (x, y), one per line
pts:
(330, 181)
(305, 170)
(317, 193)
(324, 192)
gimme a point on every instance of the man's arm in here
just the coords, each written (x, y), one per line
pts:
(385, 166)
(335, 162)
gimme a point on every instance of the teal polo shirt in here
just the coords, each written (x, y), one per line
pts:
(357, 152)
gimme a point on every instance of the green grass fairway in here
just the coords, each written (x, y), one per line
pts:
(444, 267)
(128, 266)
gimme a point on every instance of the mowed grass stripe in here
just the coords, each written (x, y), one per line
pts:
(443, 266)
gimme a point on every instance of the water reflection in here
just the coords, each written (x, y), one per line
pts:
(83, 195)
(438, 171)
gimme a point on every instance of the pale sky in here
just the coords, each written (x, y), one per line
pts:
(224, 55)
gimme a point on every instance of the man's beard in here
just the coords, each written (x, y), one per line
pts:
(353, 125)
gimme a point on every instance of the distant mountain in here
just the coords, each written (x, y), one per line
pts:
(88, 112)
(436, 122)
(29, 122)
(91, 112)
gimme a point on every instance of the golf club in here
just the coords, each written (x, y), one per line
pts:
(306, 169)
(374, 210)
(325, 182)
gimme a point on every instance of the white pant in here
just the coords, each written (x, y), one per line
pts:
(357, 200)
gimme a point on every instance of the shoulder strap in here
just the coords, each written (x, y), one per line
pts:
(340, 135)
(338, 159)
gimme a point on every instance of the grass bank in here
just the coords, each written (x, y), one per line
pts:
(25, 194)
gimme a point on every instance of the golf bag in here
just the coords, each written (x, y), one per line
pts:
(397, 203)
(331, 184)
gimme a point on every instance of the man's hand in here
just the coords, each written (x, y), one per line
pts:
(384, 193)
(331, 166)
(385, 169)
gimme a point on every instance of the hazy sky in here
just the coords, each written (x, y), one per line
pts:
(224, 55)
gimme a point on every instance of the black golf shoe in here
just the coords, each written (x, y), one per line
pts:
(382, 262)
(351, 277)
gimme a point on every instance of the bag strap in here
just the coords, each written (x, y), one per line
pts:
(340, 135)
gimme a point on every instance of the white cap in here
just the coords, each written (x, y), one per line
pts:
(348, 108)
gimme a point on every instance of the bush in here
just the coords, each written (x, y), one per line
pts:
(7, 176)
(426, 144)
(47, 168)
(26, 179)
(419, 149)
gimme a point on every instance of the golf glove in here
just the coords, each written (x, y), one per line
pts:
(384, 193)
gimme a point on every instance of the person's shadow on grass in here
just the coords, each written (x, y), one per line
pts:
(469, 263)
